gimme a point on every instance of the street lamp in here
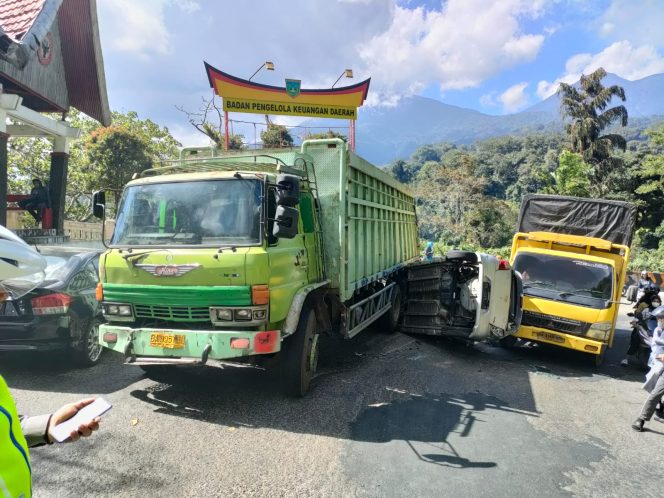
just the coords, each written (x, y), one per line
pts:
(267, 65)
(348, 73)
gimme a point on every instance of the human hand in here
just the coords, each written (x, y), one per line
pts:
(660, 357)
(67, 412)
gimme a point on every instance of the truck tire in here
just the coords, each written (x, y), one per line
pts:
(299, 356)
(388, 323)
(466, 256)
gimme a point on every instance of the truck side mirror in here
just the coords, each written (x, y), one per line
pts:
(285, 222)
(288, 190)
(99, 204)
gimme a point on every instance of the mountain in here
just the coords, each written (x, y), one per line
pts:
(388, 133)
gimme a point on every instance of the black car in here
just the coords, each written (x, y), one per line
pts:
(62, 313)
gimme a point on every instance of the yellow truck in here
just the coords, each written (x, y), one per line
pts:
(572, 254)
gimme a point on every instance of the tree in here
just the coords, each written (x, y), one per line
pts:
(587, 109)
(571, 176)
(117, 154)
(650, 190)
(447, 194)
(491, 223)
(327, 134)
(276, 136)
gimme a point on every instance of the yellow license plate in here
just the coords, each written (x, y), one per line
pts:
(548, 336)
(170, 341)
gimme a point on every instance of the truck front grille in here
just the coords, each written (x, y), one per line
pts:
(559, 324)
(173, 313)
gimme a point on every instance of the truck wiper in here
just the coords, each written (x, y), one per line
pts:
(133, 255)
(534, 283)
(575, 291)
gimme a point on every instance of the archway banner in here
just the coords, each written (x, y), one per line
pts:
(241, 95)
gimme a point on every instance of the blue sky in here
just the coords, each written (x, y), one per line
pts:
(493, 56)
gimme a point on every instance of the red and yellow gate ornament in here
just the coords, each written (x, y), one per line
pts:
(245, 96)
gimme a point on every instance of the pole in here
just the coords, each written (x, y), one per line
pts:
(352, 135)
(226, 131)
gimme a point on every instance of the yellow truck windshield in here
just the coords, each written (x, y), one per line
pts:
(566, 279)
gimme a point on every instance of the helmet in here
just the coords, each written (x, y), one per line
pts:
(658, 312)
(644, 273)
(21, 267)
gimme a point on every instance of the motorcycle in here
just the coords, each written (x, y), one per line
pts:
(644, 326)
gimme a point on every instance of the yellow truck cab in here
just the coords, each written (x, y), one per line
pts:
(572, 254)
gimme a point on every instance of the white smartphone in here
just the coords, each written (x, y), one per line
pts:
(85, 415)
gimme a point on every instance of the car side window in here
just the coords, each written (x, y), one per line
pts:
(87, 278)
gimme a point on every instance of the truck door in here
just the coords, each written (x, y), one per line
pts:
(498, 299)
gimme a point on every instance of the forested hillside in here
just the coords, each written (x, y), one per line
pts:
(469, 195)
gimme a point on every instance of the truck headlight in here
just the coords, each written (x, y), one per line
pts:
(599, 330)
(225, 315)
(118, 309)
(260, 315)
(243, 315)
(123, 310)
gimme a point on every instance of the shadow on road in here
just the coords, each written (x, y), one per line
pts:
(56, 372)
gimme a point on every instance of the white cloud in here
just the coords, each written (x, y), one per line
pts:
(514, 98)
(620, 58)
(458, 46)
(488, 99)
(638, 21)
(139, 27)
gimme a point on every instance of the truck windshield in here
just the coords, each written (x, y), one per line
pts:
(576, 281)
(210, 212)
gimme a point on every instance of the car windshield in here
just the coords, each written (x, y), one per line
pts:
(210, 212)
(572, 280)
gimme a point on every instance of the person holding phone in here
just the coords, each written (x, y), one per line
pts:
(18, 433)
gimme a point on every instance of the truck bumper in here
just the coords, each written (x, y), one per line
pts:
(193, 346)
(569, 341)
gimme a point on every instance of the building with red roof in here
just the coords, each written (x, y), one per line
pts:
(50, 61)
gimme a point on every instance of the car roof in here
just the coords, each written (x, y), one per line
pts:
(68, 252)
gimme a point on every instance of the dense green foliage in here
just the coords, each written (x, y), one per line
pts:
(276, 136)
(468, 196)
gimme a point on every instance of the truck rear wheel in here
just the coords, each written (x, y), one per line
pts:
(388, 323)
(299, 356)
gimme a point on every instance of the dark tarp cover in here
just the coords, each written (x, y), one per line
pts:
(609, 220)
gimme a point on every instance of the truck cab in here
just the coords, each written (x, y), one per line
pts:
(572, 254)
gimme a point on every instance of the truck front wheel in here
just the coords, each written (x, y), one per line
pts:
(299, 356)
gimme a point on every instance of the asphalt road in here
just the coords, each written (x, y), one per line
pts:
(388, 416)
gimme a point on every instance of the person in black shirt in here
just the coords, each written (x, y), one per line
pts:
(38, 199)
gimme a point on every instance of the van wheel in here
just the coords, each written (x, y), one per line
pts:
(388, 323)
(466, 256)
(299, 356)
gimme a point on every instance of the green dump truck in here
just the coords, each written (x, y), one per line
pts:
(249, 257)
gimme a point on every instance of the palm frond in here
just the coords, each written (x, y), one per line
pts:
(615, 140)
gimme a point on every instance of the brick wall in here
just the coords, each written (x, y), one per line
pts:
(78, 230)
